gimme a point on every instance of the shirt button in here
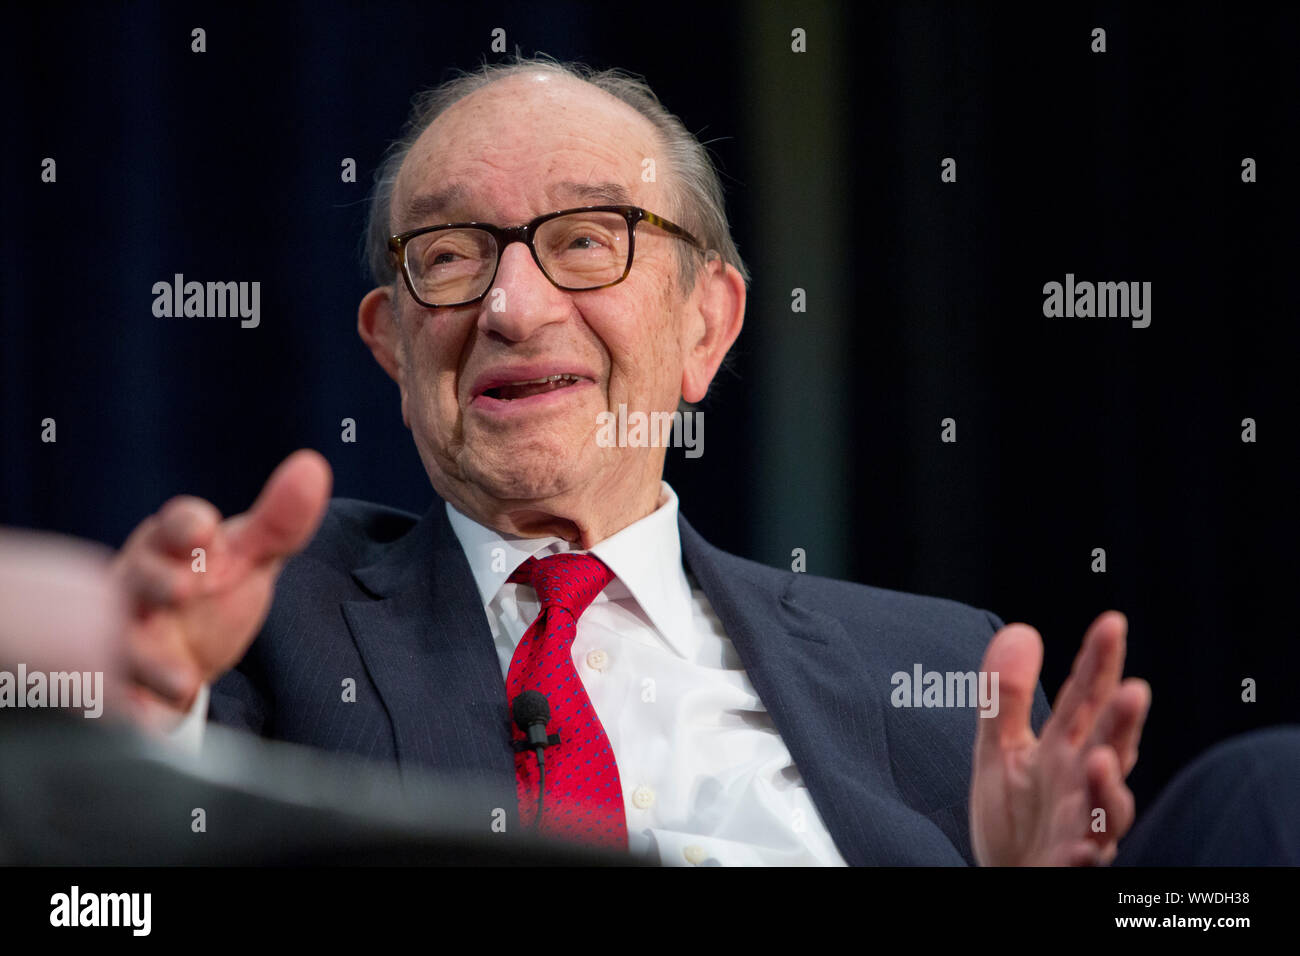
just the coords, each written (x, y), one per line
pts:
(598, 660)
(695, 854)
(643, 797)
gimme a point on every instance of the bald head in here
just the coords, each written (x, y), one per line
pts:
(512, 137)
(679, 159)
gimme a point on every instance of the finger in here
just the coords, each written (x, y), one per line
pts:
(1121, 722)
(1083, 853)
(287, 512)
(1107, 792)
(152, 579)
(1014, 659)
(183, 524)
(139, 533)
(155, 663)
(1092, 681)
(1088, 853)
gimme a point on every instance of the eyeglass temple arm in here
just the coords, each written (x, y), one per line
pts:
(671, 227)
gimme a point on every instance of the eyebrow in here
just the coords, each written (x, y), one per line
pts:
(435, 207)
(430, 205)
(611, 194)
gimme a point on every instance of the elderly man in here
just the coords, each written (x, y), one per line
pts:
(701, 707)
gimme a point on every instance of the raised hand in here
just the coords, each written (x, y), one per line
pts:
(186, 627)
(1034, 800)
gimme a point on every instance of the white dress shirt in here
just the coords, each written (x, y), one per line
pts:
(706, 777)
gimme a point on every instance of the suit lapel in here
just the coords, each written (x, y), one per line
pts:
(426, 645)
(797, 659)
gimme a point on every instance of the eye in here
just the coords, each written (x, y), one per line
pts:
(449, 248)
(586, 236)
(585, 242)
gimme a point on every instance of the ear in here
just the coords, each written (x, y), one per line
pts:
(377, 326)
(719, 313)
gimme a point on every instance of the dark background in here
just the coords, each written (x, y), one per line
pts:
(924, 298)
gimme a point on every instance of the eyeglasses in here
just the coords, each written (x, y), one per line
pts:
(577, 249)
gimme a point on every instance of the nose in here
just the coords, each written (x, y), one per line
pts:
(521, 299)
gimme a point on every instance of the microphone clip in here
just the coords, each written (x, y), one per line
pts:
(522, 745)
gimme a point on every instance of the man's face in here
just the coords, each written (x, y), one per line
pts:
(520, 148)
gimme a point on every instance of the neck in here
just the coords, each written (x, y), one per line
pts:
(578, 519)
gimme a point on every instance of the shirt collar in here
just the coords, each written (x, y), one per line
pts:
(646, 558)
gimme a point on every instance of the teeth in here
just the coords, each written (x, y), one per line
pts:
(548, 378)
(562, 380)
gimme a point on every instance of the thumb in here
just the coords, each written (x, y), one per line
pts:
(287, 512)
(1014, 659)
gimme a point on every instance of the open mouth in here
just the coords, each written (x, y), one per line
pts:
(536, 386)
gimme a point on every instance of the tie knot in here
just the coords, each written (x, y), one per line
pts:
(570, 581)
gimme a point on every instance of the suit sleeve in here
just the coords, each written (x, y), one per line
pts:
(239, 698)
(1041, 710)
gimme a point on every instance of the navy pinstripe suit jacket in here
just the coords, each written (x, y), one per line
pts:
(387, 598)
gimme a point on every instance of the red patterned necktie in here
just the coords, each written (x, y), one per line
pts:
(584, 797)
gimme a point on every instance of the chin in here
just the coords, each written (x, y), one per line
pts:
(526, 474)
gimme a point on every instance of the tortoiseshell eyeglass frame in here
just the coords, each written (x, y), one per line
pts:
(503, 235)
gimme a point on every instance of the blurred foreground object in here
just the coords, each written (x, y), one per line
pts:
(74, 794)
(60, 611)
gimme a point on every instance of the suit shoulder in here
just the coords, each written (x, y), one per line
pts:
(921, 610)
(861, 605)
(354, 532)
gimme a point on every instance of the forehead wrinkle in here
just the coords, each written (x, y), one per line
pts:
(430, 205)
(619, 129)
(465, 200)
(433, 208)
